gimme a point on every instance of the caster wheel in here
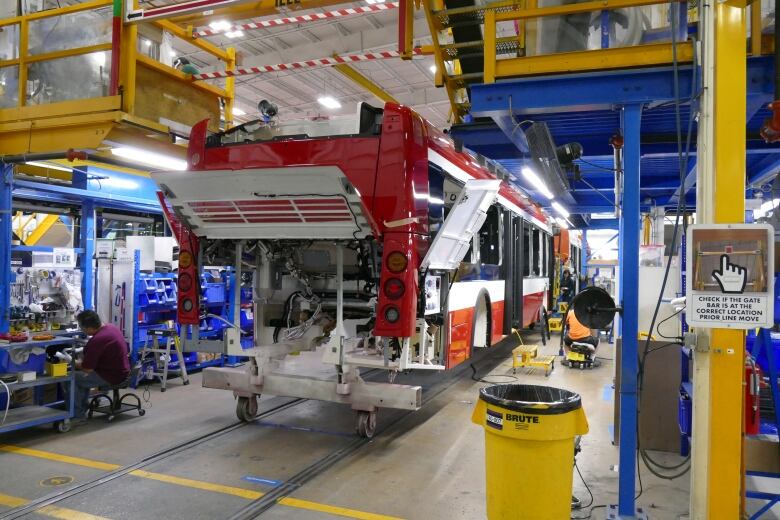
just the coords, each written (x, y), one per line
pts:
(110, 418)
(162, 389)
(141, 412)
(246, 408)
(89, 414)
(186, 382)
(366, 424)
(62, 426)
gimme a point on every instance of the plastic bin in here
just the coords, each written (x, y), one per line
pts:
(214, 292)
(529, 449)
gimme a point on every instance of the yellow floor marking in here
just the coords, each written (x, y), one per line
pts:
(52, 511)
(67, 514)
(334, 510)
(199, 484)
(67, 459)
(8, 500)
(179, 481)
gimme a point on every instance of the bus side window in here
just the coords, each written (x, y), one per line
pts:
(536, 258)
(527, 250)
(489, 239)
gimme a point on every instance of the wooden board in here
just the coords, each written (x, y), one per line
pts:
(658, 428)
(161, 96)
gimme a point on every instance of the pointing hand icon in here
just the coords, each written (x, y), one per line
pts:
(731, 277)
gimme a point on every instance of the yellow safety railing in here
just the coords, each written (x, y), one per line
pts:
(144, 86)
(641, 55)
(513, 52)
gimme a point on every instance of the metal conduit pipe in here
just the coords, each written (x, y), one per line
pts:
(70, 155)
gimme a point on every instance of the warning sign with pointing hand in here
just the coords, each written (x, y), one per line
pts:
(730, 276)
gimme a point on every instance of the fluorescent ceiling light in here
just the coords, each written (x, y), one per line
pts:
(157, 160)
(372, 2)
(220, 25)
(49, 166)
(148, 43)
(560, 209)
(601, 216)
(562, 222)
(238, 112)
(537, 182)
(329, 102)
(234, 34)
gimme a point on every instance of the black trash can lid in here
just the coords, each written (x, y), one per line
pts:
(539, 400)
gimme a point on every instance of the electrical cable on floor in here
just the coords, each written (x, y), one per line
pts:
(7, 401)
(587, 487)
(590, 513)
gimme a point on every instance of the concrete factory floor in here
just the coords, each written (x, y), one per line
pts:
(425, 465)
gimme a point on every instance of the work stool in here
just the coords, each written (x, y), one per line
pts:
(528, 356)
(116, 402)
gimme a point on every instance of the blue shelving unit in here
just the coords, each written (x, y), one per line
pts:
(154, 305)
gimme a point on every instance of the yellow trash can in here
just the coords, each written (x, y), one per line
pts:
(529, 450)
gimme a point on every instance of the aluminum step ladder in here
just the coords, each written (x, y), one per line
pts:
(162, 356)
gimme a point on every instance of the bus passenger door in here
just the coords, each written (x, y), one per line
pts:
(514, 260)
(453, 240)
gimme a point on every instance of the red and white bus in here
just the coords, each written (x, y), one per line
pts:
(373, 241)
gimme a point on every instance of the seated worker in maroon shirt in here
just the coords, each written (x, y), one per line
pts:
(105, 361)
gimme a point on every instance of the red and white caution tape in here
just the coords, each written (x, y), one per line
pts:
(309, 64)
(305, 18)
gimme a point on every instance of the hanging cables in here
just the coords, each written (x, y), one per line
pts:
(683, 154)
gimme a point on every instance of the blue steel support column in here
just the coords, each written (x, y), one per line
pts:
(87, 243)
(6, 190)
(629, 278)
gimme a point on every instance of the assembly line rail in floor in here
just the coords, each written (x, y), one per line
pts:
(303, 466)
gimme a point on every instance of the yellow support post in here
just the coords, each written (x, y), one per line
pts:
(441, 72)
(127, 69)
(23, 42)
(716, 480)
(230, 88)
(365, 82)
(489, 38)
(755, 29)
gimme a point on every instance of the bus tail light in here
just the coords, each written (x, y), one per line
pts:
(396, 262)
(392, 314)
(394, 288)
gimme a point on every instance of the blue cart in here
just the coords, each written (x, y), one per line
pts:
(58, 413)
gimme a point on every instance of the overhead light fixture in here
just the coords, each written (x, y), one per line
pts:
(601, 216)
(157, 160)
(432, 68)
(537, 182)
(234, 34)
(560, 209)
(562, 222)
(147, 43)
(49, 166)
(329, 102)
(238, 112)
(372, 2)
(220, 25)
